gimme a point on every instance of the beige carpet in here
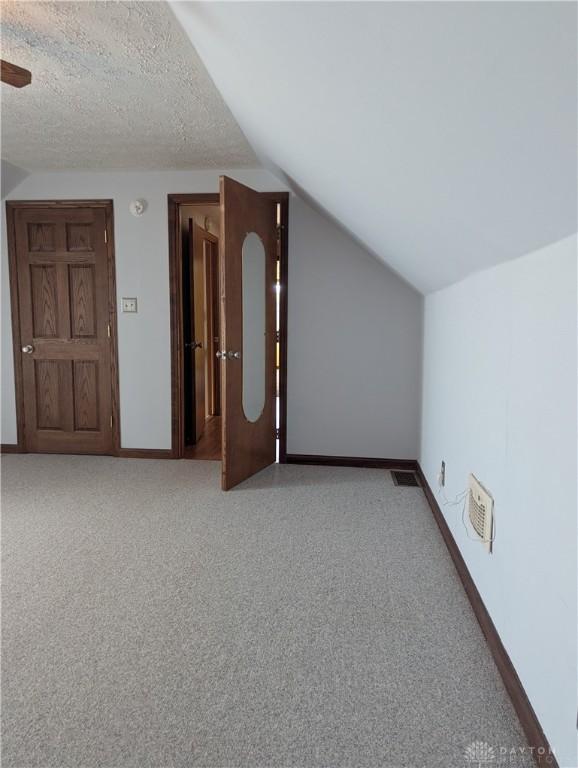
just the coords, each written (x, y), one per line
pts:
(310, 618)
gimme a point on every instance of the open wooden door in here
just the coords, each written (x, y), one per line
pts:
(248, 256)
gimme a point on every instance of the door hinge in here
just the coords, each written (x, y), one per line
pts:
(105, 236)
(277, 336)
(111, 420)
(277, 434)
(278, 231)
(108, 329)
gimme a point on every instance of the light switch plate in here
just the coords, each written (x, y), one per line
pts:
(129, 305)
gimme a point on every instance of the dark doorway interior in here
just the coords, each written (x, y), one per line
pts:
(188, 374)
(199, 229)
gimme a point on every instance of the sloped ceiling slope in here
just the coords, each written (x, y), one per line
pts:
(442, 135)
(10, 177)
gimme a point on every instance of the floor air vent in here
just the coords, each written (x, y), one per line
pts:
(407, 479)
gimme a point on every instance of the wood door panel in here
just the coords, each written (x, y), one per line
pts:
(86, 405)
(41, 237)
(79, 237)
(62, 266)
(82, 280)
(52, 388)
(247, 446)
(44, 285)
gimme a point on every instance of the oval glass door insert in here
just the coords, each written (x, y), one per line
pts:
(253, 359)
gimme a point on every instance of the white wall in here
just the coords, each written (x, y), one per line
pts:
(344, 309)
(499, 400)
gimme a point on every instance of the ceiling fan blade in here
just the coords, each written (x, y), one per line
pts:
(13, 75)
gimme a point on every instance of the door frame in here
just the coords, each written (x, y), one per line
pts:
(11, 207)
(174, 201)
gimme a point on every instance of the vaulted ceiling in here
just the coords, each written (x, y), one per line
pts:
(441, 135)
(115, 85)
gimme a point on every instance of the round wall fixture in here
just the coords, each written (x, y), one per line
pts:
(138, 207)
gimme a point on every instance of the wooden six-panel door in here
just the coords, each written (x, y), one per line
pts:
(61, 261)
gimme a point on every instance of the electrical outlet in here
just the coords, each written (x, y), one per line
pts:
(129, 305)
(442, 475)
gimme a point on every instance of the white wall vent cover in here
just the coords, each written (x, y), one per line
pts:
(480, 511)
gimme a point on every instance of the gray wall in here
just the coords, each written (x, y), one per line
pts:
(354, 375)
(354, 338)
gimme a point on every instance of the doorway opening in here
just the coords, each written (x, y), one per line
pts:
(197, 323)
(200, 230)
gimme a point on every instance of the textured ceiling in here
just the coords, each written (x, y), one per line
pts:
(442, 135)
(115, 85)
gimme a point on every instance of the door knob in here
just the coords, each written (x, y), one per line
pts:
(222, 355)
(28, 349)
(197, 345)
(234, 355)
